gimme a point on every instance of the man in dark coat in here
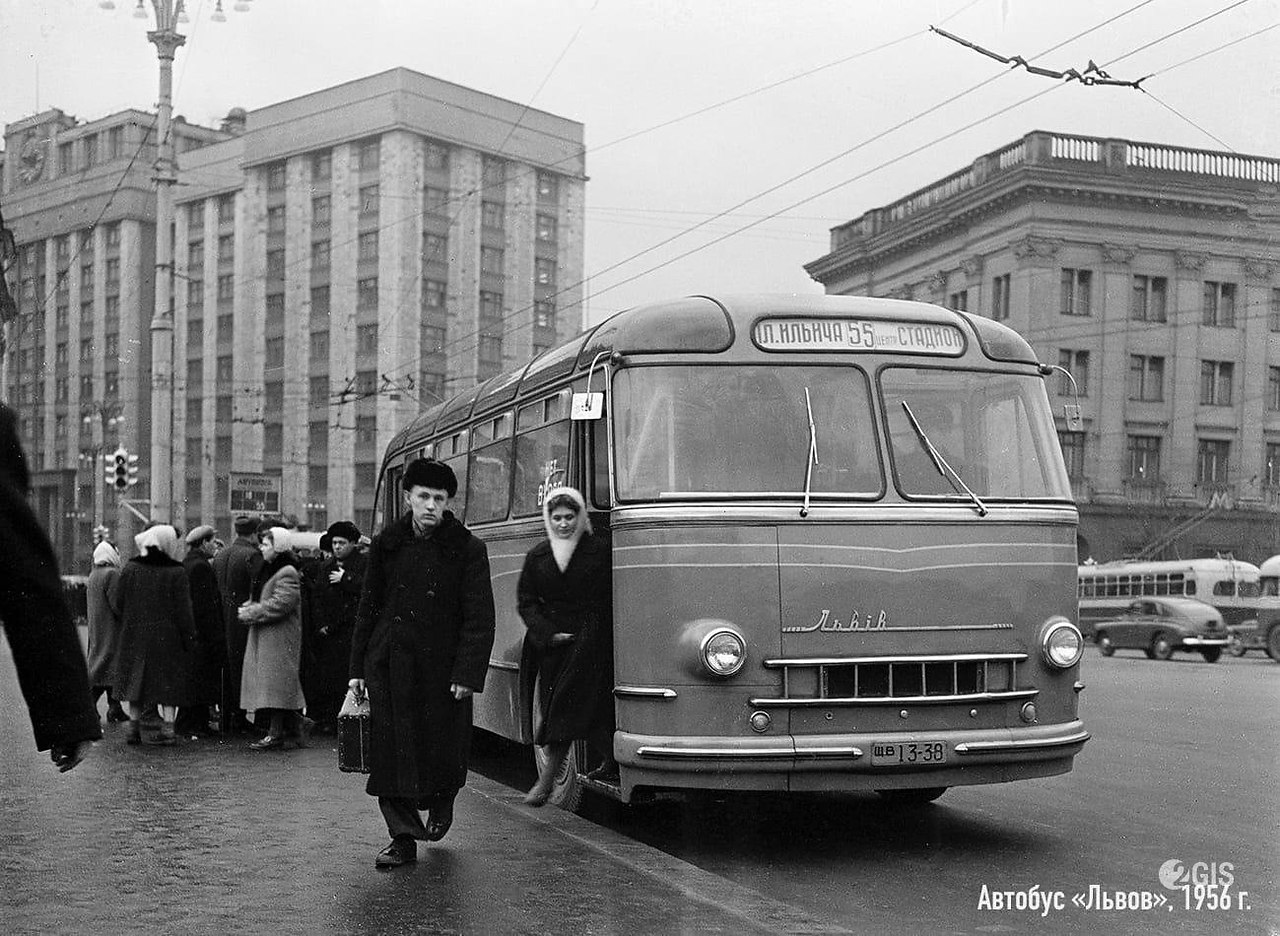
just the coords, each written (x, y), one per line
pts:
(421, 647)
(334, 597)
(210, 656)
(235, 568)
(46, 648)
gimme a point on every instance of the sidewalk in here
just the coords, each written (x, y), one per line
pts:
(210, 837)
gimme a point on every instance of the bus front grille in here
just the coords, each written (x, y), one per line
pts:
(932, 680)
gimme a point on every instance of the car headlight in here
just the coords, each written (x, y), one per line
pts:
(723, 652)
(1061, 644)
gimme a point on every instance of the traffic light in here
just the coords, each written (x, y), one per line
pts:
(120, 469)
(133, 470)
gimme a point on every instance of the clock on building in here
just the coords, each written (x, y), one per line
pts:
(31, 158)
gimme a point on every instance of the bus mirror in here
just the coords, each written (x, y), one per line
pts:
(586, 406)
(1075, 422)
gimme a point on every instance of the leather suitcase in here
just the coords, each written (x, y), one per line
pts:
(353, 742)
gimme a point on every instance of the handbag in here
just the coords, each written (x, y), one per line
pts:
(353, 733)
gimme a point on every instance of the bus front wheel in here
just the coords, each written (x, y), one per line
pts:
(1273, 642)
(913, 797)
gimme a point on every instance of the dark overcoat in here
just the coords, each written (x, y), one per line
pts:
(425, 621)
(330, 623)
(235, 567)
(157, 633)
(575, 679)
(210, 654)
(42, 636)
(103, 612)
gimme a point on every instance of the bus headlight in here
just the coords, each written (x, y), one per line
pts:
(723, 652)
(1061, 643)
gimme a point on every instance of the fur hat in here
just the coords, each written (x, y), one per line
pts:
(429, 472)
(344, 529)
(246, 525)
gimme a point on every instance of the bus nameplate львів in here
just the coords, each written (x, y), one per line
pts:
(832, 334)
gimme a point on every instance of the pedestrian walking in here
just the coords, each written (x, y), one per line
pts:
(210, 656)
(565, 599)
(157, 634)
(51, 666)
(424, 630)
(270, 684)
(334, 599)
(235, 568)
(103, 612)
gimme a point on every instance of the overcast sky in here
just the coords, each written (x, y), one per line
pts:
(629, 68)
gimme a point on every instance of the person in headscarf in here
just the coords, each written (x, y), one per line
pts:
(157, 633)
(103, 612)
(270, 684)
(565, 598)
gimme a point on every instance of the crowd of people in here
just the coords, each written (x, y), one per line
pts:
(251, 638)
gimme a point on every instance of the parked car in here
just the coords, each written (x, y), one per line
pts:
(1159, 626)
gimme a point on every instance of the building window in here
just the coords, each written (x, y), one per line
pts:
(110, 347)
(61, 317)
(546, 228)
(86, 349)
(490, 304)
(111, 309)
(275, 262)
(491, 350)
(1219, 304)
(1211, 461)
(433, 339)
(435, 156)
(548, 186)
(275, 353)
(491, 260)
(86, 315)
(61, 355)
(1072, 444)
(366, 433)
(320, 255)
(493, 171)
(1077, 363)
(1215, 383)
(544, 313)
(1146, 378)
(273, 397)
(368, 245)
(1274, 319)
(86, 386)
(226, 328)
(1075, 291)
(321, 166)
(1149, 299)
(226, 287)
(61, 390)
(369, 200)
(367, 338)
(366, 383)
(319, 302)
(224, 370)
(959, 301)
(319, 346)
(1000, 297)
(435, 200)
(65, 160)
(367, 156)
(434, 293)
(275, 177)
(1273, 389)
(275, 219)
(195, 255)
(195, 219)
(226, 248)
(319, 390)
(1144, 458)
(115, 142)
(226, 209)
(367, 293)
(493, 215)
(435, 248)
(90, 150)
(113, 273)
(1271, 467)
(431, 387)
(321, 209)
(195, 333)
(275, 311)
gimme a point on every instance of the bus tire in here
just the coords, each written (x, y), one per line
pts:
(1161, 646)
(912, 797)
(1105, 646)
(1273, 642)
(1211, 654)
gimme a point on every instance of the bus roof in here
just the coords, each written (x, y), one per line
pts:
(699, 325)
(1239, 568)
(1270, 566)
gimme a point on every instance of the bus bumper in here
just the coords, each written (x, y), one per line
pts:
(844, 761)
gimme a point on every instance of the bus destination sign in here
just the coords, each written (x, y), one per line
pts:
(831, 334)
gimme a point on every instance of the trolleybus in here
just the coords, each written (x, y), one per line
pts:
(1107, 589)
(843, 540)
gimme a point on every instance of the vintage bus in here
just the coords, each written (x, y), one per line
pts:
(1106, 589)
(843, 543)
(1263, 631)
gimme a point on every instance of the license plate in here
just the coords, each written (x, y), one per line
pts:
(908, 753)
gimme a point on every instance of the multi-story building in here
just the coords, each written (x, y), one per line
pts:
(341, 260)
(1151, 273)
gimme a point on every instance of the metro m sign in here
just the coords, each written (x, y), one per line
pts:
(254, 493)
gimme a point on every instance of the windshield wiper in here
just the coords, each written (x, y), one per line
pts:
(813, 454)
(940, 463)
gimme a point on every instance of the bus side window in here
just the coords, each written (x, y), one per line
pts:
(1224, 587)
(1189, 587)
(542, 460)
(489, 482)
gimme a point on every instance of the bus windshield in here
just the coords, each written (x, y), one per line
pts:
(744, 429)
(994, 431)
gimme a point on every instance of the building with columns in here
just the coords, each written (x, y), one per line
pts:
(1149, 272)
(341, 261)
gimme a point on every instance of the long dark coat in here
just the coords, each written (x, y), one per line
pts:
(102, 605)
(210, 654)
(157, 633)
(331, 621)
(236, 566)
(576, 679)
(46, 648)
(425, 620)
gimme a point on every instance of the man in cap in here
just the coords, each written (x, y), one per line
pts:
(209, 658)
(424, 630)
(334, 598)
(235, 568)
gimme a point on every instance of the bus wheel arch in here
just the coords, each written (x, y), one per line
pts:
(911, 796)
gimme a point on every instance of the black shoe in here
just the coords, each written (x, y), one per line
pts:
(402, 850)
(441, 818)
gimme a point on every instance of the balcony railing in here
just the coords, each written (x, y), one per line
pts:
(1217, 493)
(1143, 491)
